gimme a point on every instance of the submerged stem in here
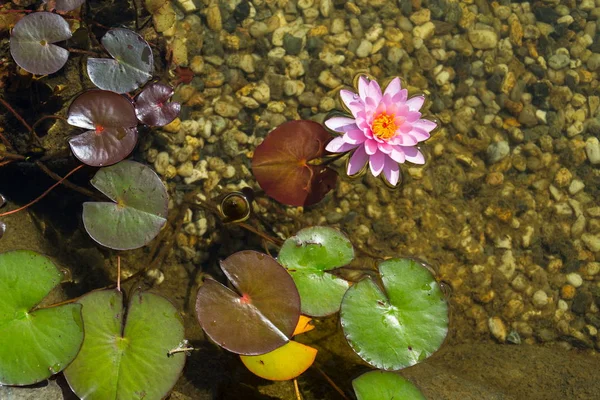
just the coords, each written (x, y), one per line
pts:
(43, 194)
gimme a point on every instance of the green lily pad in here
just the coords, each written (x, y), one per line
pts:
(307, 257)
(400, 327)
(139, 210)
(125, 352)
(383, 385)
(34, 344)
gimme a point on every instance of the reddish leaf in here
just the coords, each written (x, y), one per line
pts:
(151, 105)
(261, 316)
(281, 164)
(111, 121)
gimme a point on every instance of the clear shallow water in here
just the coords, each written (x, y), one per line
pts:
(505, 208)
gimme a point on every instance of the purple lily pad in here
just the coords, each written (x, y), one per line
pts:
(131, 66)
(152, 108)
(261, 316)
(111, 121)
(31, 42)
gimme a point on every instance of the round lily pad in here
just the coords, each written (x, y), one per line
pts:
(34, 344)
(152, 107)
(131, 66)
(125, 354)
(401, 326)
(111, 121)
(139, 210)
(384, 385)
(307, 257)
(31, 42)
(286, 163)
(263, 313)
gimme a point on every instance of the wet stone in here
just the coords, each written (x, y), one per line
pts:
(292, 44)
(581, 302)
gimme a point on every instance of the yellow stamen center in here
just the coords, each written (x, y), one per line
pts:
(384, 126)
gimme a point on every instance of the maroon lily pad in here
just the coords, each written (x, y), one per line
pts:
(151, 105)
(31, 42)
(111, 121)
(282, 164)
(259, 317)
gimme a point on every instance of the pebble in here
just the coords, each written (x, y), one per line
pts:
(592, 150)
(424, 31)
(574, 279)
(498, 151)
(226, 108)
(540, 299)
(483, 39)
(328, 79)
(497, 329)
(364, 49)
(559, 61)
(563, 177)
(591, 241)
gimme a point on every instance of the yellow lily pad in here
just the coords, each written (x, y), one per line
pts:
(282, 364)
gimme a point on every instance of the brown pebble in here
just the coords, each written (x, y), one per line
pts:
(495, 178)
(567, 292)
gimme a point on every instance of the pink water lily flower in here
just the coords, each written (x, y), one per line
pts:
(385, 130)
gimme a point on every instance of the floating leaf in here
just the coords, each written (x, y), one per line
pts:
(151, 105)
(127, 358)
(67, 5)
(34, 344)
(307, 256)
(283, 164)
(384, 385)
(111, 121)
(261, 316)
(304, 325)
(131, 66)
(31, 42)
(139, 209)
(282, 364)
(400, 327)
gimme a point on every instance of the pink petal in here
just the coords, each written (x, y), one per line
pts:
(419, 134)
(393, 87)
(355, 136)
(357, 161)
(397, 154)
(425, 124)
(339, 145)
(385, 147)
(352, 101)
(374, 91)
(401, 96)
(340, 124)
(376, 162)
(371, 147)
(413, 155)
(403, 140)
(413, 116)
(415, 103)
(363, 83)
(391, 171)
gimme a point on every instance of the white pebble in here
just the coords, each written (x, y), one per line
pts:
(540, 299)
(575, 279)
